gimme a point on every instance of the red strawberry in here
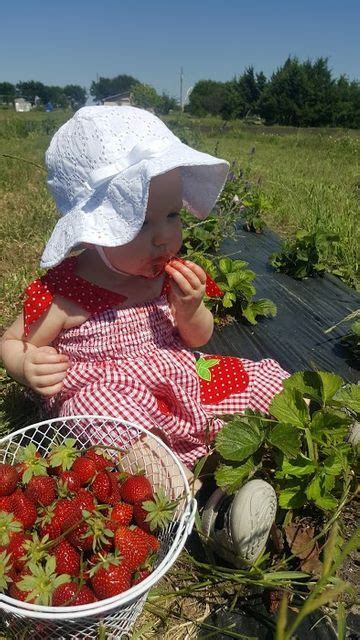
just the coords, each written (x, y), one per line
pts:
(85, 500)
(8, 479)
(67, 559)
(17, 551)
(71, 594)
(108, 541)
(135, 489)
(133, 548)
(101, 486)
(115, 493)
(220, 377)
(67, 513)
(6, 503)
(152, 541)
(85, 468)
(41, 489)
(100, 459)
(110, 577)
(139, 516)
(19, 594)
(69, 482)
(212, 290)
(24, 509)
(81, 537)
(48, 524)
(121, 513)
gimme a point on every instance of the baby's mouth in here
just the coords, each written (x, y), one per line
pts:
(158, 266)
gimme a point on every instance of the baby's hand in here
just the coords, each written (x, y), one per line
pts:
(44, 370)
(187, 286)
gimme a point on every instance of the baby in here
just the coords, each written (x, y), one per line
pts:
(112, 330)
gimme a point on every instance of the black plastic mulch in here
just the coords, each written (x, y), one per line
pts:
(306, 308)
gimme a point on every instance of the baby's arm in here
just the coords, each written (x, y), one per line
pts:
(31, 361)
(194, 321)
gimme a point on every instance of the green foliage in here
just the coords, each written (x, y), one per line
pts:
(308, 457)
(145, 96)
(301, 258)
(236, 282)
(243, 197)
(352, 340)
(202, 240)
(105, 87)
(72, 95)
(299, 94)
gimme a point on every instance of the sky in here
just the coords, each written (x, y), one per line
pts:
(63, 42)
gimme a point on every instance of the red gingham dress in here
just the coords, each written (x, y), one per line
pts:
(129, 362)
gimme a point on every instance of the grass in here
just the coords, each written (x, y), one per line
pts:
(312, 180)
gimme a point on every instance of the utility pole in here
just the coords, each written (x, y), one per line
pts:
(181, 88)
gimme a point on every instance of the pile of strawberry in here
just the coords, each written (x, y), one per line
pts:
(74, 528)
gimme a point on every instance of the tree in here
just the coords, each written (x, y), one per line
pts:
(207, 96)
(56, 96)
(29, 90)
(145, 96)
(283, 98)
(167, 104)
(75, 95)
(7, 92)
(105, 87)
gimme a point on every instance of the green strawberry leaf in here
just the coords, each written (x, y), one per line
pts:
(286, 438)
(330, 384)
(237, 440)
(307, 383)
(334, 464)
(231, 478)
(290, 407)
(292, 497)
(329, 422)
(349, 397)
(225, 265)
(300, 467)
(228, 300)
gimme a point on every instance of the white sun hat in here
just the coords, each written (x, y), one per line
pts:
(100, 163)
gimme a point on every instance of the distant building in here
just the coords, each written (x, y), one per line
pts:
(22, 105)
(120, 99)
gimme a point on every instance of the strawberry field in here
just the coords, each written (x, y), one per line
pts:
(307, 577)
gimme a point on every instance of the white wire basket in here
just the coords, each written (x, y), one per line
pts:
(114, 616)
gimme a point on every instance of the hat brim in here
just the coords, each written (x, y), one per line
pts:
(103, 221)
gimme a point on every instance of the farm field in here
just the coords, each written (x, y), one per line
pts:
(311, 180)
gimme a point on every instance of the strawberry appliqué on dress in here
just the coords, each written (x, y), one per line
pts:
(220, 377)
(62, 280)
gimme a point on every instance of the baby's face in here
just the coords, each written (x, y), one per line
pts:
(160, 237)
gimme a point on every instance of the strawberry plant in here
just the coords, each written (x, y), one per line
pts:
(303, 257)
(351, 340)
(236, 282)
(302, 450)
